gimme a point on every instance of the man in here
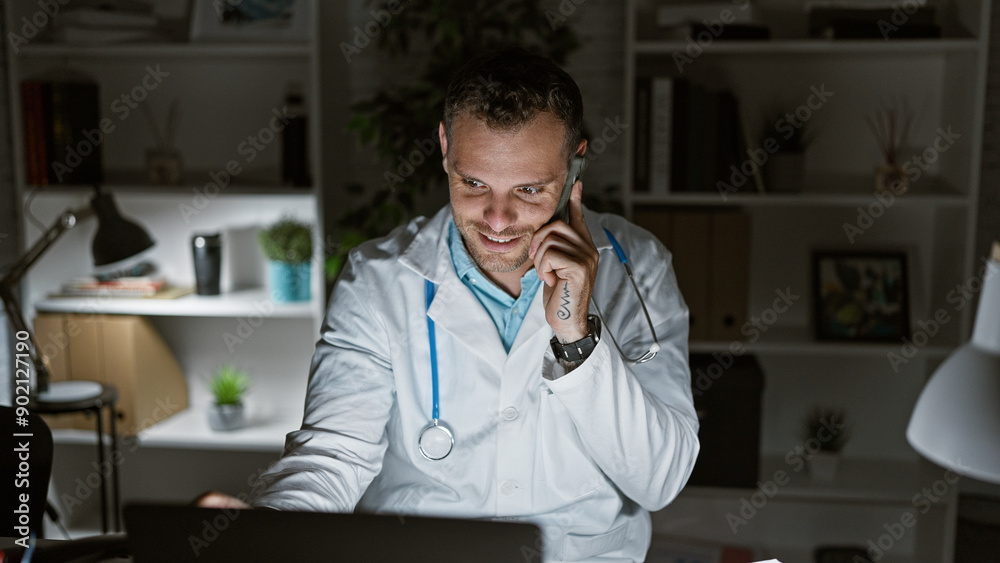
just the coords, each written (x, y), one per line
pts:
(583, 447)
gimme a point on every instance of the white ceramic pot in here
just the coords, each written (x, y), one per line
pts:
(226, 417)
(823, 466)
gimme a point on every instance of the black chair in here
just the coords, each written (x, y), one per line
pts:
(26, 443)
(27, 459)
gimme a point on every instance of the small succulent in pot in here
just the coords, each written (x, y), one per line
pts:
(228, 385)
(826, 434)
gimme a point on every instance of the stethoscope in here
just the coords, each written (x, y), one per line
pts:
(436, 440)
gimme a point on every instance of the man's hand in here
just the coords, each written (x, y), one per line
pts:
(214, 499)
(566, 261)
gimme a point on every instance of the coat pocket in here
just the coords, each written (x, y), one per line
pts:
(568, 471)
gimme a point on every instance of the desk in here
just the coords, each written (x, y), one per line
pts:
(107, 398)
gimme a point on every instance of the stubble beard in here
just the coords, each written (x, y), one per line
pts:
(492, 262)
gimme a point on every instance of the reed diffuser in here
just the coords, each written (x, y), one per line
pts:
(891, 125)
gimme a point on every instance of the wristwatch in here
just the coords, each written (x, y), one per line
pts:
(581, 349)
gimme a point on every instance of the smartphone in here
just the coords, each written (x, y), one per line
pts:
(576, 167)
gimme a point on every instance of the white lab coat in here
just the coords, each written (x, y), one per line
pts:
(584, 456)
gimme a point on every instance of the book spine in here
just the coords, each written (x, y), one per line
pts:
(641, 146)
(660, 151)
(710, 142)
(84, 113)
(34, 143)
(679, 139)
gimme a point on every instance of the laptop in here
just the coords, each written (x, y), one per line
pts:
(171, 534)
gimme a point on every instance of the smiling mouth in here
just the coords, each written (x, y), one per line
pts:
(497, 244)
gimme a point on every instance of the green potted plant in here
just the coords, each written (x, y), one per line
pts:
(228, 385)
(826, 434)
(288, 245)
(399, 122)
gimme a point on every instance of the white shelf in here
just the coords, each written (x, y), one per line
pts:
(814, 47)
(187, 50)
(865, 481)
(137, 181)
(239, 303)
(189, 429)
(798, 340)
(861, 480)
(845, 191)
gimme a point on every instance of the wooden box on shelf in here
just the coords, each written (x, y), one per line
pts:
(120, 350)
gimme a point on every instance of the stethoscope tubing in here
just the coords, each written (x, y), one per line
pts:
(437, 426)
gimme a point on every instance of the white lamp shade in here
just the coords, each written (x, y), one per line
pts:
(956, 422)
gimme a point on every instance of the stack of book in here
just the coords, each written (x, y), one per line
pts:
(104, 22)
(708, 21)
(687, 138)
(62, 135)
(143, 286)
(872, 19)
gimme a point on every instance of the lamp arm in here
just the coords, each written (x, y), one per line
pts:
(14, 313)
(65, 222)
(10, 280)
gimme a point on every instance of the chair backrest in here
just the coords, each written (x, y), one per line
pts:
(26, 464)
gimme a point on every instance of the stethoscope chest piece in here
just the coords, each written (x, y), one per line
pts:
(435, 441)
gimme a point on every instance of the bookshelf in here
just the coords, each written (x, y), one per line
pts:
(226, 91)
(934, 223)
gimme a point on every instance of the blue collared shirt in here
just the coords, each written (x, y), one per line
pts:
(507, 313)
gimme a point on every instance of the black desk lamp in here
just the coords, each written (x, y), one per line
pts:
(116, 239)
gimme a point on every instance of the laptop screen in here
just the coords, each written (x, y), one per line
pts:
(170, 533)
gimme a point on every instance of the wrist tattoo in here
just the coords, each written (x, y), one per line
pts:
(563, 312)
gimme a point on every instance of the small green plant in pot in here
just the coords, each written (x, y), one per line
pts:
(228, 385)
(288, 246)
(826, 432)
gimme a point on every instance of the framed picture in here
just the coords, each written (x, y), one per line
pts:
(251, 20)
(860, 296)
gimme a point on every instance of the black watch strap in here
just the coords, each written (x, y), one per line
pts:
(581, 349)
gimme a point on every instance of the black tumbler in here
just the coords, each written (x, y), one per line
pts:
(207, 249)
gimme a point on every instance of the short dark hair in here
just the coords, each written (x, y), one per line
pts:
(507, 88)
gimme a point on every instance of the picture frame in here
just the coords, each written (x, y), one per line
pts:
(860, 296)
(286, 21)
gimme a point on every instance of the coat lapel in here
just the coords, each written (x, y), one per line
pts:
(455, 309)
